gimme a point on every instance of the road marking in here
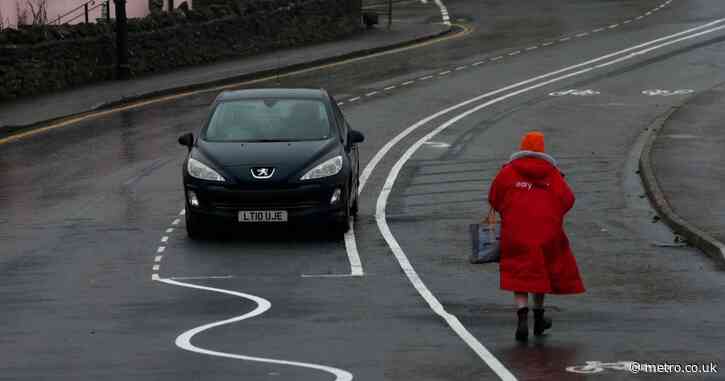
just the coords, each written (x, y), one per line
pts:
(598, 30)
(354, 99)
(565, 39)
(389, 88)
(158, 258)
(444, 12)
(201, 277)
(574, 92)
(460, 68)
(580, 35)
(496, 58)
(648, 13)
(514, 53)
(427, 77)
(530, 48)
(182, 212)
(667, 93)
(599, 366)
(340, 103)
(406, 83)
(613, 26)
(370, 94)
(356, 268)
(175, 222)
(161, 249)
(164, 239)
(169, 230)
(547, 43)
(329, 275)
(444, 72)
(400, 256)
(478, 63)
(183, 341)
(156, 267)
(639, 18)
(627, 21)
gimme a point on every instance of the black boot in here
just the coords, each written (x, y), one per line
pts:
(522, 331)
(541, 323)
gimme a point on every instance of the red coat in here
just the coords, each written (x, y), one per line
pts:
(532, 198)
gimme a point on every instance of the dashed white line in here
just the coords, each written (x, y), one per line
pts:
(164, 239)
(530, 48)
(201, 277)
(406, 83)
(389, 88)
(460, 68)
(598, 30)
(427, 77)
(627, 21)
(354, 99)
(156, 267)
(182, 212)
(496, 58)
(158, 258)
(477, 63)
(547, 43)
(515, 53)
(370, 94)
(580, 35)
(161, 249)
(639, 17)
(613, 26)
(565, 39)
(175, 222)
(169, 230)
(648, 13)
(444, 12)
(340, 103)
(445, 72)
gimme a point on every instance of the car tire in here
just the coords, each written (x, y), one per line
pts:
(341, 224)
(194, 226)
(354, 209)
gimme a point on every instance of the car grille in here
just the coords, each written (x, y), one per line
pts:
(268, 199)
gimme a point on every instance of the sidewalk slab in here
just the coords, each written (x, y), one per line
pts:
(687, 158)
(21, 113)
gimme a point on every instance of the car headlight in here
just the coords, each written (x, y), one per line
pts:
(201, 171)
(328, 168)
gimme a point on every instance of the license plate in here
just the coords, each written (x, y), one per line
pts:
(263, 216)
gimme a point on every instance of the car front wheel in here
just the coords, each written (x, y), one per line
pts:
(194, 225)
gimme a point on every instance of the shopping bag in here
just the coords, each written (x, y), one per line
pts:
(485, 239)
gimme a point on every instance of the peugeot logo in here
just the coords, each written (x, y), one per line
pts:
(262, 172)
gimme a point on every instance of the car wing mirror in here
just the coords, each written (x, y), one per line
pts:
(187, 140)
(355, 137)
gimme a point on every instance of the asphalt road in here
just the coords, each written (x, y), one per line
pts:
(85, 209)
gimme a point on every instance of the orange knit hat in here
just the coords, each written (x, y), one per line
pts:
(533, 141)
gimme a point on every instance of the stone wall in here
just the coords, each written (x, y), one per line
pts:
(41, 59)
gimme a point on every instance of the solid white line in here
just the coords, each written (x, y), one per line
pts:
(328, 275)
(183, 341)
(370, 94)
(158, 258)
(356, 268)
(388, 186)
(161, 249)
(389, 88)
(389, 145)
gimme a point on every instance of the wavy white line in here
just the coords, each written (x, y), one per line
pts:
(183, 341)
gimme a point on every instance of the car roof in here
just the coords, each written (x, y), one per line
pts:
(272, 93)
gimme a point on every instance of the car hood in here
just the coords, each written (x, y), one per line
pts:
(288, 159)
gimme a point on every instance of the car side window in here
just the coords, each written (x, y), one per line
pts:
(341, 123)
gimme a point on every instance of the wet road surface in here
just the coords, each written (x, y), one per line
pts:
(85, 209)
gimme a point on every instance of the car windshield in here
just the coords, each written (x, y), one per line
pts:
(268, 120)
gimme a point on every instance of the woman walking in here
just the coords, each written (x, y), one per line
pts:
(532, 198)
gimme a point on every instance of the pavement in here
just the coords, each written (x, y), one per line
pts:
(686, 159)
(30, 111)
(99, 280)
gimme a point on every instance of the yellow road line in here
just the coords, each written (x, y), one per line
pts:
(466, 30)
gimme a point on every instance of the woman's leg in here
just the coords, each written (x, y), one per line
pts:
(522, 303)
(539, 301)
(522, 299)
(541, 323)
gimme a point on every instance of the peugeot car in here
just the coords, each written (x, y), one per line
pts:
(270, 156)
